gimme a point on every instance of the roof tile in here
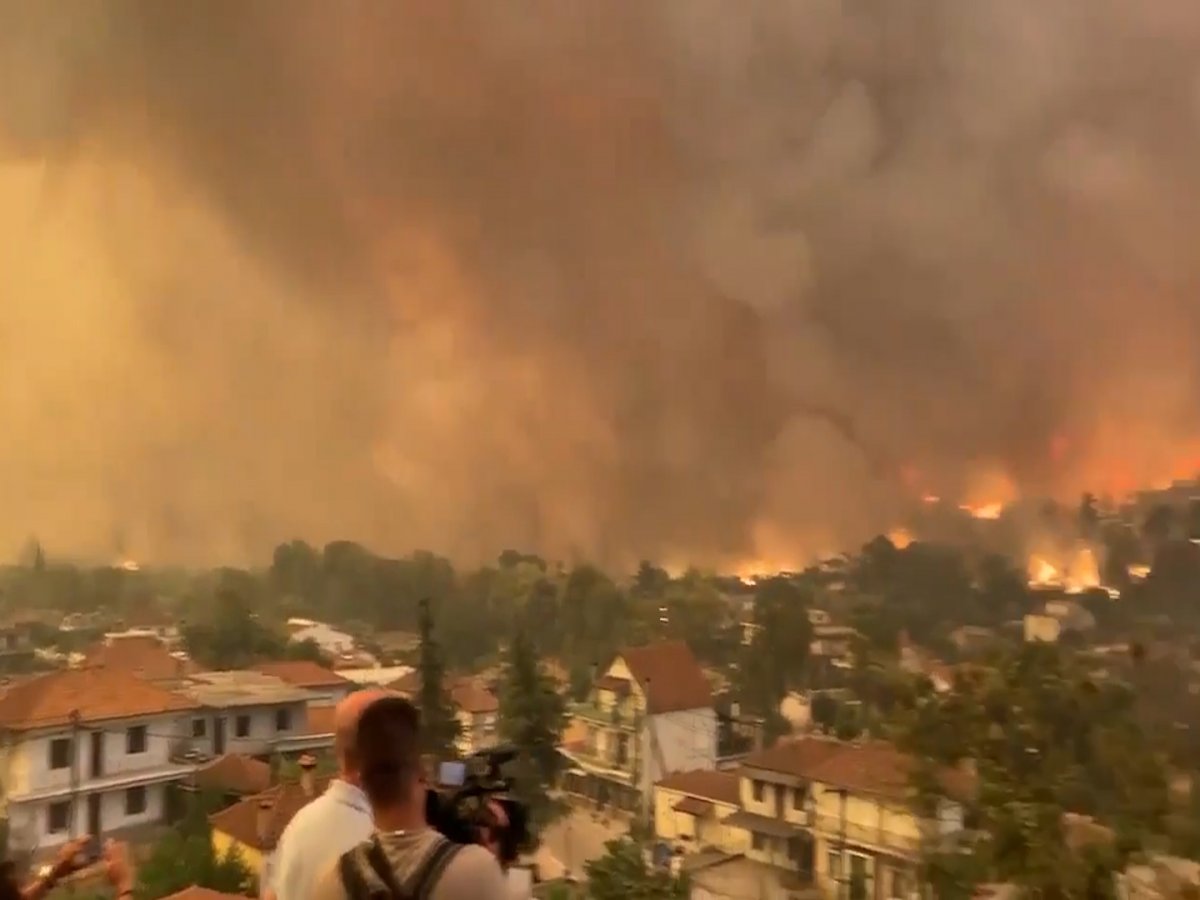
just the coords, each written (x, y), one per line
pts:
(138, 654)
(94, 694)
(303, 673)
(709, 784)
(669, 675)
(234, 773)
(241, 820)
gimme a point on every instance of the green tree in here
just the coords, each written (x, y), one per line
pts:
(185, 856)
(622, 874)
(532, 718)
(231, 636)
(439, 725)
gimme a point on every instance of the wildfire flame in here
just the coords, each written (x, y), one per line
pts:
(129, 565)
(900, 537)
(1080, 573)
(1138, 572)
(985, 511)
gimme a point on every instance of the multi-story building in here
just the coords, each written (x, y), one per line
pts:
(821, 813)
(250, 713)
(326, 686)
(89, 751)
(477, 710)
(650, 713)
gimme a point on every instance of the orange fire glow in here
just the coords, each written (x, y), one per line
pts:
(900, 537)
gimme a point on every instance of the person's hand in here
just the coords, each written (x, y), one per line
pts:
(66, 860)
(497, 822)
(117, 869)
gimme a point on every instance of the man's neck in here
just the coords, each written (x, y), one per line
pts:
(400, 818)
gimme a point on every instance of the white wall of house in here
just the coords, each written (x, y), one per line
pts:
(40, 824)
(40, 761)
(250, 730)
(330, 696)
(677, 742)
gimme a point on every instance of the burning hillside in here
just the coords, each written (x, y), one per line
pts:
(615, 280)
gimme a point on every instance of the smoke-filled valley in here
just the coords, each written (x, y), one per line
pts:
(615, 280)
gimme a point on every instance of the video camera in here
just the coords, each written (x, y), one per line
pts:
(459, 806)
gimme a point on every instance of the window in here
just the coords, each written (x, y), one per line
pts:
(135, 739)
(241, 726)
(900, 889)
(835, 864)
(135, 801)
(798, 797)
(199, 728)
(60, 753)
(758, 841)
(58, 817)
(283, 719)
(758, 791)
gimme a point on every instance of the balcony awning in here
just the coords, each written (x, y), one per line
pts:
(693, 806)
(763, 825)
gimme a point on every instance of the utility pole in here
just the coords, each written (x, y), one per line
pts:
(74, 802)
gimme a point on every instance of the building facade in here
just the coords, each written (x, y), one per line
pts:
(650, 713)
(89, 751)
(822, 814)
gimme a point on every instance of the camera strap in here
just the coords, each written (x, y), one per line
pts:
(418, 886)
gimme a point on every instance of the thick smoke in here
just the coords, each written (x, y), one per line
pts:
(684, 279)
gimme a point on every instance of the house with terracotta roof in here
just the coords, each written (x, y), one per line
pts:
(89, 751)
(232, 776)
(327, 686)
(252, 827)
(142, 655)
(832, 814)
(690, 809)
(251, 713)
(477, 709)
(648, 714)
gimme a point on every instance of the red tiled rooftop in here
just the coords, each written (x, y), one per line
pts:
(669, 676)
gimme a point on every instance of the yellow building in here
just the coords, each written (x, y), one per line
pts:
(650, 713)
(691, 808)
(841, 815)
(818, 813)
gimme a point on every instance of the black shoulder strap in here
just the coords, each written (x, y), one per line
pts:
(352, 878)
(378, 861)
(426, 877)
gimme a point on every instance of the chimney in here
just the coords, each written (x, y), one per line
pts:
(263, 822)
(307, 765)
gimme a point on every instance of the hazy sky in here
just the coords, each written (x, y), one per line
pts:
(686, 279)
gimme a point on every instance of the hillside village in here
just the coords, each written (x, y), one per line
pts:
(121, 737)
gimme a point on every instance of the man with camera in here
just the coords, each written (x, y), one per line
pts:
(406, 859)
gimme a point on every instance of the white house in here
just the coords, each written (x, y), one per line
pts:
(332, 642)
(88, 751)
(649, 714)
(327, 687)
(250, 713)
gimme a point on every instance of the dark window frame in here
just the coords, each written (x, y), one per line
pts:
(63, 760)
(137, 740)
(142, 803)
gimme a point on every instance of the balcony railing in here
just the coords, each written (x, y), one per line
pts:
(874, 836)
(607, 762)
(613, 716)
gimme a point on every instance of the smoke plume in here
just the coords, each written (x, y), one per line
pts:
(686, 279)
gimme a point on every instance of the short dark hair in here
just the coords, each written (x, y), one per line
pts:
(387, 749)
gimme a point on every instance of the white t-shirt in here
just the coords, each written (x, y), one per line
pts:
(337, 821)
